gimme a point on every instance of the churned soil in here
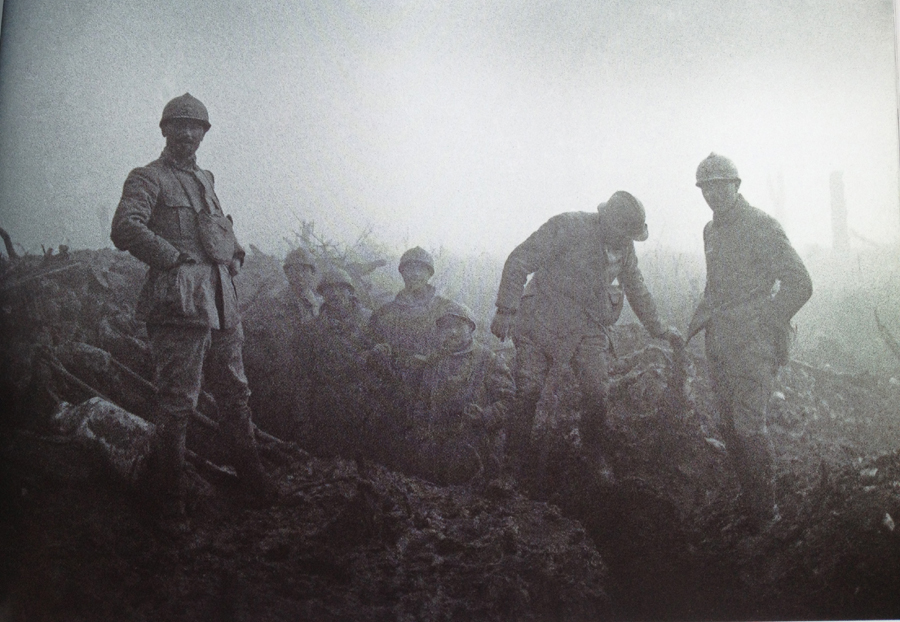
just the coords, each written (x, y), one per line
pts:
(661, 539)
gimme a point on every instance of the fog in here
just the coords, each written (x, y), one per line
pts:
(460, 125)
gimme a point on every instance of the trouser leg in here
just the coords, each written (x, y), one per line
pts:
(532, 367)
(591, 365)
(178, 354)
(742, 400)
(228, 384)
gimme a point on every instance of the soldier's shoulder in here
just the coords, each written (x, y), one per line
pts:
(573, 218)
(759, 217)
(149, 170)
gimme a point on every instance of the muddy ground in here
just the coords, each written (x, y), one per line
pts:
(354, 540)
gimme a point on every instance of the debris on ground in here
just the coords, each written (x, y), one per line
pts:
(663, 539)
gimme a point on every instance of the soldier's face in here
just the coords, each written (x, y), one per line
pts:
(183, 136)
(415, 275)
(720, 194)
(454, 333)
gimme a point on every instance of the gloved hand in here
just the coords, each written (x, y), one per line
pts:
(502, 323)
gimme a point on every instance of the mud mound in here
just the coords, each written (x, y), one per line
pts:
(361, 542)
(348, 543)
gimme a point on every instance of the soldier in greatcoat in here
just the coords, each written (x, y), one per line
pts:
(170, 218)
(755, 283)
(582, 263)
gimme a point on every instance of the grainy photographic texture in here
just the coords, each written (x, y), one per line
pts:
(449, 311)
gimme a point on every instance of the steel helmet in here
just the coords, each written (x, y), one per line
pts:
(457, 309)
(300, 257)
(626, 214)
(417, 254)
(185, 107)
(715, 167)
(334, 276)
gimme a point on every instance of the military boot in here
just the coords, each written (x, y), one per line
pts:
(165, 471)
(238, 430)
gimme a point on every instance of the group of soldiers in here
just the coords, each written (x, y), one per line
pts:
(409, 380)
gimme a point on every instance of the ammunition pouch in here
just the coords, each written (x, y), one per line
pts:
(217, 236)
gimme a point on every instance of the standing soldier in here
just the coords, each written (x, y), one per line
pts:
(569, 305)
(755, 283)
(405, 327)
(271, 326)
(348, 404)
(170, 218)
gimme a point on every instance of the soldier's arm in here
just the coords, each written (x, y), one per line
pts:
(129, 226)
(796, 285)
(527, 258)
(703, 311)
(639, 297)
(700, 318)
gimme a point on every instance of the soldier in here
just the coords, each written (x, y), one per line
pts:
(464, 400)
(302, 275)
(342, 396)
(170, 218)
(271, 326)
(404, 327)
(755, 283)
(568, 307)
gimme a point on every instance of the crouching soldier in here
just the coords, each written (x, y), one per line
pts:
(170, 218)
(463, 403)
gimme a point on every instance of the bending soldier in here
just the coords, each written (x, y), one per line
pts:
(170, 218)
(568, 307)
(755, 283)
(463, 404)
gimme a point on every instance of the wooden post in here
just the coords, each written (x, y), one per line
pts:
(840, 237)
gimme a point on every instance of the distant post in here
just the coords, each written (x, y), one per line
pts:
(840, 238)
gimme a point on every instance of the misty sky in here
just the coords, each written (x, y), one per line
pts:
(463, 124)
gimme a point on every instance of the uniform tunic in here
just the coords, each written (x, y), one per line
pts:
(576, 293)
(271, 327)
(191, 310)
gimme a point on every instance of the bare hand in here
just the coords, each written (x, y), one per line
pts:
(501, 325)
(185, 260)
(673, 336)
(234, 267)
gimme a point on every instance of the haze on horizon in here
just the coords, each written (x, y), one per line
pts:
(462, 125)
